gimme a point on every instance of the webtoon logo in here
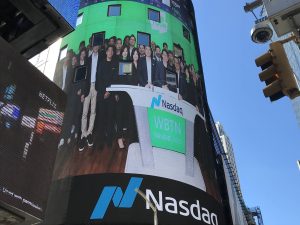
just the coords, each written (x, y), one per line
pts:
(115, 194)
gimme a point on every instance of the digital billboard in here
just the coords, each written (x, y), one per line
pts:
(134, 119)
(31, 117)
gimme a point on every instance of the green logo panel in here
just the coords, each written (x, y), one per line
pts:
(167, 131)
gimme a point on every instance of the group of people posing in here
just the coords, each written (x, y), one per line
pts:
(149, 66)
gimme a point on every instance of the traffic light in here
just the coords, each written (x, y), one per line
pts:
(277, 73)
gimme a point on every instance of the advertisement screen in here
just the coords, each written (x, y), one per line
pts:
(31, 117)
(134, 119)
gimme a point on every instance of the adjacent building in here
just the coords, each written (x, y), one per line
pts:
(228, 148)
(293, 53)
(240, 214)
(47, 59)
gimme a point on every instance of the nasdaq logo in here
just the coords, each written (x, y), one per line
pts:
(159, 102)
(116, 195)
(156, 101)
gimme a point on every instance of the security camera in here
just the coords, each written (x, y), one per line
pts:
(261, 32)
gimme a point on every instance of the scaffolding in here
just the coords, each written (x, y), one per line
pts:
(257, 213)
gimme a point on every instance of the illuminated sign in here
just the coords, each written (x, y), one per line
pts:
(167, 131)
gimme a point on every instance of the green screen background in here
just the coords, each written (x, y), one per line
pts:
(134, 18)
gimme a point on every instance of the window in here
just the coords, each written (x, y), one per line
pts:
(114, 10)
(186, 33)
(79, 19)
(63, 52)
(98, 39)
(143, 39)
(154, 15)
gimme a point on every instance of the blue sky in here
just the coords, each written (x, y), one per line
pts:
(265, 135)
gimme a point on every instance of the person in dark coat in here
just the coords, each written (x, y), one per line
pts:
(131, 48)
(180, 79)
(191, 95)
(160, 72)
(146, 69)
(106, 100)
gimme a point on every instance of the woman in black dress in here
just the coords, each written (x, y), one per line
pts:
(133, 78)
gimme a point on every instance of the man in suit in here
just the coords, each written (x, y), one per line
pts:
(89, 98)
(142, 50)
(180, 79)
(146, 69)
(132, 41)
(157, 54)
(161, 71)
(105, 109)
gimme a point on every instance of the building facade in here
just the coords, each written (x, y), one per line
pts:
(47, 59)
(228, 148)
(293, 53)
(239, 215)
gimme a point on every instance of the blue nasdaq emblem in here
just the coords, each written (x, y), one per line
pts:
(115, 194)
(156, 101)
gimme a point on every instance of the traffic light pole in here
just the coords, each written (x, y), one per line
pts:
(277, 72)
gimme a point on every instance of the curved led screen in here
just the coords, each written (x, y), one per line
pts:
(134, 119)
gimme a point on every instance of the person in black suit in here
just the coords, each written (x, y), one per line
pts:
(118, 47)
(142, 50)
(180, 79)
(171, 60)
(191, 95)
(132, 41)
(106, 100)
(89, 97)
(146, 69)
(197, 82)
(126, 40)
(160, 71)
(157, 54)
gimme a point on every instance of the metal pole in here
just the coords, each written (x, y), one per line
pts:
(150, 204)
